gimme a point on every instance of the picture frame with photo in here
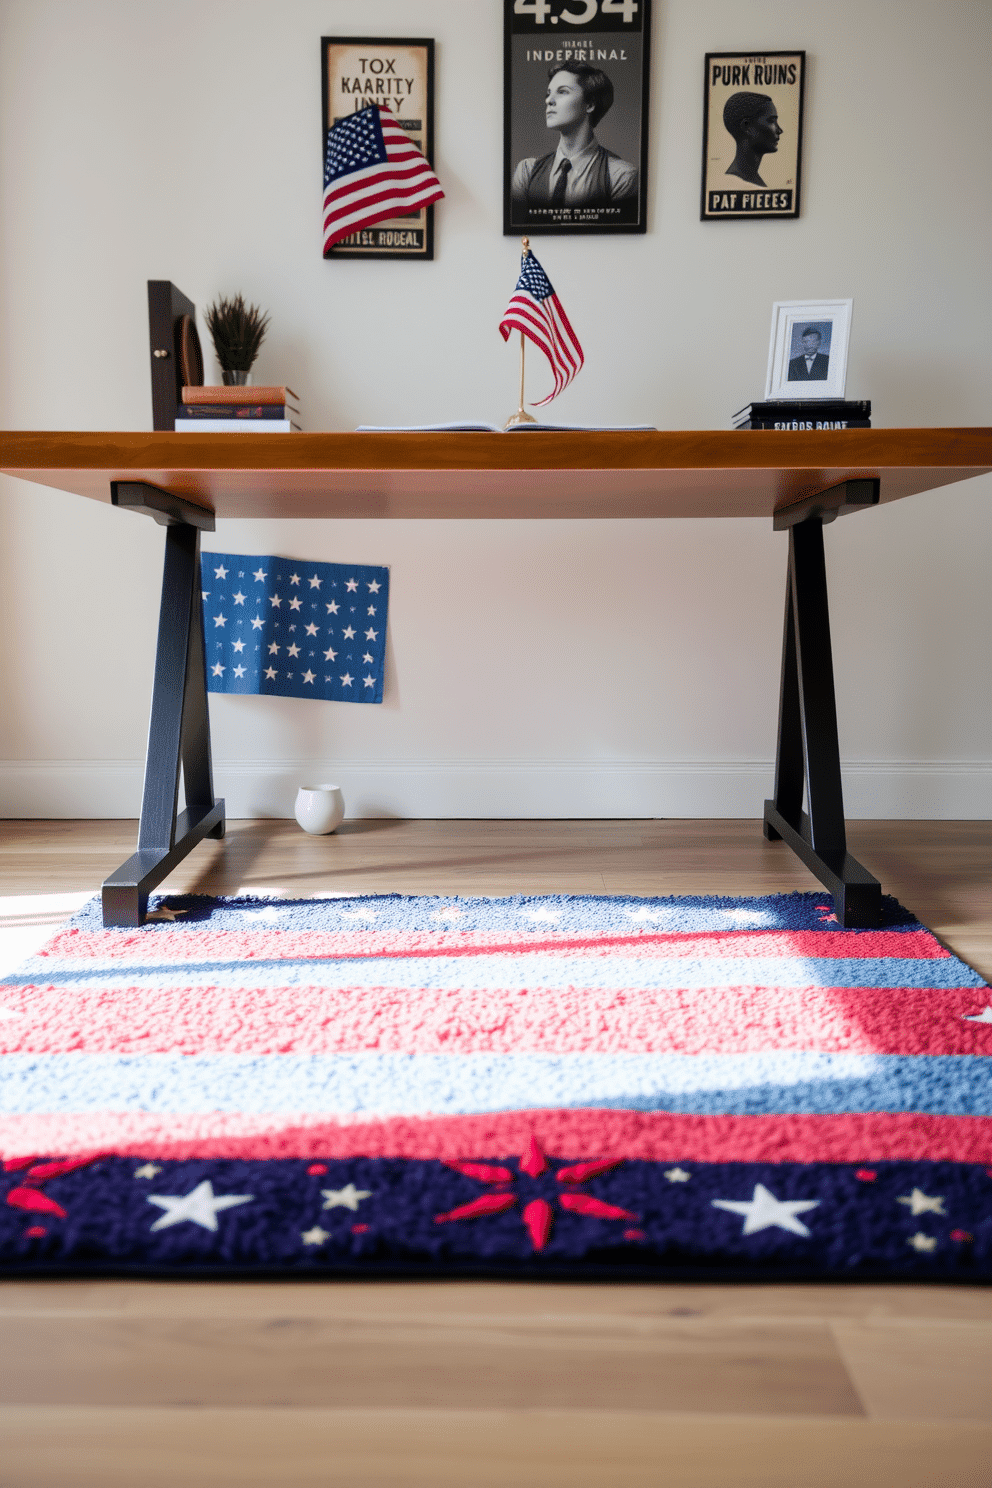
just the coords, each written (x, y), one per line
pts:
(807, 353)
(575, 116)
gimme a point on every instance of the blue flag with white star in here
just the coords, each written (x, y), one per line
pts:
(290, 629)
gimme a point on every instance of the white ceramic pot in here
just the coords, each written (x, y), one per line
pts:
(319, 808)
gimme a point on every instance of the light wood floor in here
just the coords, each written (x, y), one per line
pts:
(467, 1385)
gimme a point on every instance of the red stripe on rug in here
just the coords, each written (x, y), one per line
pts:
(453, 1020)
(179, 943)
(586, 1134)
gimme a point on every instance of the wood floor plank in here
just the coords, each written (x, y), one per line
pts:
(776, 1367)
(570, 1304)
(903, 1369)
(111, 1447)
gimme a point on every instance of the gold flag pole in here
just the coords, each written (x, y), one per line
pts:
(521, 416)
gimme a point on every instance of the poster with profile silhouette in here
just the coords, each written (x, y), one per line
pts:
(752, 135)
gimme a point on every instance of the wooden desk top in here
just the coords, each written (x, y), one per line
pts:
(711, 473)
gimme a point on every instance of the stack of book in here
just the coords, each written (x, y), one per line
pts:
(805, 413)
(231, 410)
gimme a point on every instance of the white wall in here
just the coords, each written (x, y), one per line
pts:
(546, 668)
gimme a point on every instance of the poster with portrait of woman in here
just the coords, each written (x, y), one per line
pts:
(575, 116)
(752, 135)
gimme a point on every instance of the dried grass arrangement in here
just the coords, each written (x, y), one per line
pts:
(237, 331)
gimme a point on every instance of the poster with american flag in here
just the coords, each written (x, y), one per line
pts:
(378, 139)
(537, 313)
(280, 627)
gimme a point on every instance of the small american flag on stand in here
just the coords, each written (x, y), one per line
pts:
(537, 312)
(372, 171)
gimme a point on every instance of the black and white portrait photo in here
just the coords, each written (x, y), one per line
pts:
(810, 361)
(752, 135)
(579, 171)
(575, 116)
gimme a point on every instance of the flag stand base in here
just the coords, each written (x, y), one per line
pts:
(520, 417)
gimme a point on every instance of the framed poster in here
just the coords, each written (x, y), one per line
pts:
(752, 135)
(361, 70)
(575, 116)
(807, 353)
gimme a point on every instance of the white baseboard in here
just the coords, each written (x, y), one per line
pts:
(873, 789)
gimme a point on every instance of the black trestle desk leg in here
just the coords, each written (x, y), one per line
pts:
(179, 727)
(808, 750)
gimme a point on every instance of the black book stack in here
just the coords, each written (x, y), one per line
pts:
(805, 413)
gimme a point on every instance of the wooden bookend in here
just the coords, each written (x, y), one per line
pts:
(167, 307)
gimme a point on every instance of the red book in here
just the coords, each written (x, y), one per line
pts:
(242, 395)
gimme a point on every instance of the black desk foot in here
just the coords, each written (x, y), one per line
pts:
(857, 896)
(808, 754)
(179, 729)
(125, 893)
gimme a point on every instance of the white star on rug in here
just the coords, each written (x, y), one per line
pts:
(748, 916)
(551, 915)
(316, 1236)
(921, 1203)
(199, 1207)
(985, 1016)
(163, 912)
(148, 1170)
(677, 1175)
(922, 1242)
(764, 1210)
(345, 1198)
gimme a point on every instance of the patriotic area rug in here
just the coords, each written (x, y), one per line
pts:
(527, 1087)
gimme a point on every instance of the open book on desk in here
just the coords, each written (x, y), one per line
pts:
(499, 429)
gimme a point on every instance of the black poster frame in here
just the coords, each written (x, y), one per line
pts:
(522, 217)
(754, 212)
(338, 250)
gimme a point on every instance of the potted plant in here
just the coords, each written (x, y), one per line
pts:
(237, 331)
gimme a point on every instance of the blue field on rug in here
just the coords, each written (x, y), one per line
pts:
(530, 1086)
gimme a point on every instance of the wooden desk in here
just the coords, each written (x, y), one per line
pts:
(712, 473)
(798, 479)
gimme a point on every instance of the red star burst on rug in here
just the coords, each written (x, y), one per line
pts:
(537, 1215)
(28, 1195)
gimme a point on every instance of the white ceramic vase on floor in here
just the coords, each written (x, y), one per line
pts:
(319, 808)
